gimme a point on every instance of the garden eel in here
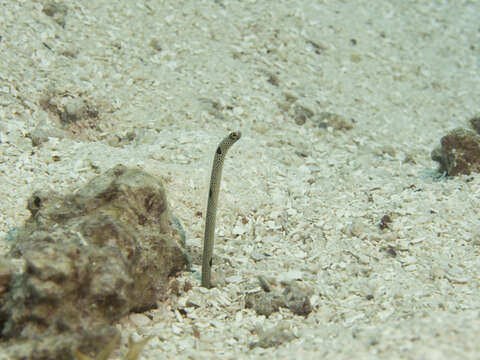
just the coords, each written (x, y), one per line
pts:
(213, 191)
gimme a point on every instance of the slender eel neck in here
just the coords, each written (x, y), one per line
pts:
(213, 192)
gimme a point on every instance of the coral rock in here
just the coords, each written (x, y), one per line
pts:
(90, 258)
(459, 152)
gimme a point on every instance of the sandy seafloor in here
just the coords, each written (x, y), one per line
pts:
(298, 202)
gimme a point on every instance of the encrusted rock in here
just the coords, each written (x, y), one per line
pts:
(90, 258)
(264, 303)
(459, 152)
(75, 109)
(43, 132)
(475, 123)
(274, 337)
(6, 271)
(293, 297)
(301, 114)
(335, 121)
(57, 11)
(297, 300)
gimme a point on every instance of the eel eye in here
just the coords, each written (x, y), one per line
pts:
(235, 135)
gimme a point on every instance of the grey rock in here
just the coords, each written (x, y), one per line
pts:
(459, 152)
(264, 303)
(275, 337)
(90, 258)
(475, 123)
(293, 297)
(297, 300)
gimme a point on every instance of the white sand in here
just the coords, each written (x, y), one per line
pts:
(310, 198)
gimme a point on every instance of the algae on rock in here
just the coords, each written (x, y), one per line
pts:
(458, 153)
(90, 258)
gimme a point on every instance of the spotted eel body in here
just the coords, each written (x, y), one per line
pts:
(212, 204)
